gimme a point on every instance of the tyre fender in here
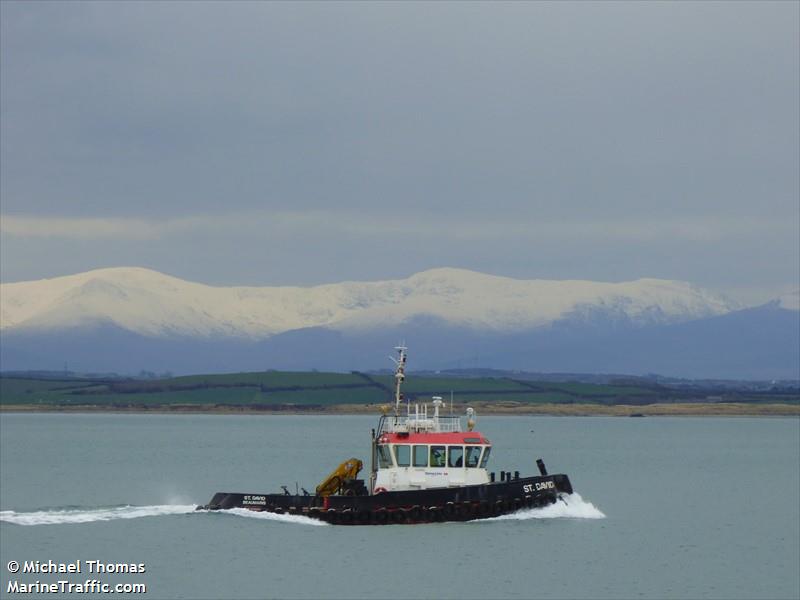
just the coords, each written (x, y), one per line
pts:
(380, 516)
(415, 514)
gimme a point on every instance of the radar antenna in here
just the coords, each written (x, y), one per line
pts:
(399, 376)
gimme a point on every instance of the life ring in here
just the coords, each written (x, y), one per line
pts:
(379, 490)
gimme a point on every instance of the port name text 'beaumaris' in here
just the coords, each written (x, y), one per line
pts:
(92, 566)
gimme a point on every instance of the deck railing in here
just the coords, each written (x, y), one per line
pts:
(412, 423)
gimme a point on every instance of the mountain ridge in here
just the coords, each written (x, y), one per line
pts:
(130, 319)
(153, 304)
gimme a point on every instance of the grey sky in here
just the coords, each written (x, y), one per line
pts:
(266, 143)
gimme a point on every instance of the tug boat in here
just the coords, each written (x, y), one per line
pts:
(424, 468)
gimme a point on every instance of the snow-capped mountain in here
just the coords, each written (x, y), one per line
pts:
(129, 319)
(152, 304)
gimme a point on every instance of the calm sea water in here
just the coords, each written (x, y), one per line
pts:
(666, 508)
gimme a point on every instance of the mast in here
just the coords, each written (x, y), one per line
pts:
(399, 376)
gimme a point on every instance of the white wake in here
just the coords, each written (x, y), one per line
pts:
(59, 517)
(571, 507)
(74, 515)
(268, 516)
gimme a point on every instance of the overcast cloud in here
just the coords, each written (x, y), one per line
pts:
(267, 143)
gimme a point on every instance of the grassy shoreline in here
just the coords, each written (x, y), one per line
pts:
(700, 409)
(289, 392)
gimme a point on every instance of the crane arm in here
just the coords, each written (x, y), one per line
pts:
(332, 484)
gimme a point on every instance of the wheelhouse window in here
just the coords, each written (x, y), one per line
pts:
(402, 455)
(384, 457)
(455, 456)
(485, 458)
(420, 455)
(437, 456)
(473, 456)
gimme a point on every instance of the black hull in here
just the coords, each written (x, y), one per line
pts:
(413, 506)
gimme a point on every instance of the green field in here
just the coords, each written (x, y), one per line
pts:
(273, 379)
(283, 389)
(427, 386)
